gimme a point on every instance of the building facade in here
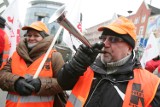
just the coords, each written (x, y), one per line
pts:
(3, 5)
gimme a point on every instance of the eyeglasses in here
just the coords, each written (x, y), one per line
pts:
(111, 39)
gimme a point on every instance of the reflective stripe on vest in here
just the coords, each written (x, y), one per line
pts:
(76, 102)
(81, 90)
(141, 89)
(24, 99)
(5, 56)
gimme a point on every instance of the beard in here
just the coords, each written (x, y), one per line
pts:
(31, 45)
(106, 59)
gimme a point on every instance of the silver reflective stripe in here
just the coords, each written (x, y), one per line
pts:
(23, 99)
(13, 98)
(75, 101)
(5, 52)
(121, 94)
(4, 60)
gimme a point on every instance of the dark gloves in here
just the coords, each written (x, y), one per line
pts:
(84, 57)
(2, 22)
(23, 88)
(36, 83)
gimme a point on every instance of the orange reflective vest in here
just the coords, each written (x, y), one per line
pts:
(140, 91)
(6, 50)
(19, 67)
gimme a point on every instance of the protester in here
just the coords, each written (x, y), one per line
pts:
(17, 75)
(154, 66)
(115, 78)
(4, 44)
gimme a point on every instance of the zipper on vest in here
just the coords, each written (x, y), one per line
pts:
(93, 92)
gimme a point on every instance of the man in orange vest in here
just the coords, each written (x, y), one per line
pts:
(15, 77)
(115, 78)
(4, 44)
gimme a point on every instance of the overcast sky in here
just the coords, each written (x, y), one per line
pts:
(97, 11)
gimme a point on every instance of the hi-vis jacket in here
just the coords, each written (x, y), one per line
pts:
(6, 49)
(143, 96)
(19, 67)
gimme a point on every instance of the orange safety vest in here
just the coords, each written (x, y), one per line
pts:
(19, 67)
(5, 51)
(140, 91)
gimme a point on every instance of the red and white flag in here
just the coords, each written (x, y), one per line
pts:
(75, 17)
(151, 50)
(11, 14)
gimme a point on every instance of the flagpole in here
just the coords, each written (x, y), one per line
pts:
(47, 53)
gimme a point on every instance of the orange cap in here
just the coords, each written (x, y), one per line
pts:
(40, 26)
(121, 25)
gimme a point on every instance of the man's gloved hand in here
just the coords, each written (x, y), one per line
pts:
(83, 58)
(86, 55)
(23, 88)
(2, 22)
(36, 83)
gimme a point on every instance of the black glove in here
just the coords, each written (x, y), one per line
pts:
(83, 58)
(36, 83)
(23, 88)
(2, 22)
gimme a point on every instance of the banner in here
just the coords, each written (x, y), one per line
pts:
(75, 17)
(151, 50)
(11, 14)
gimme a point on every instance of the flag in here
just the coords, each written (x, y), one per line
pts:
(11, 14)
(75, 17)
(151, 50)
(114, 17)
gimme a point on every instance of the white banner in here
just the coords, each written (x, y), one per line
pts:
(151, 50)
(11, 14)
(75, 17)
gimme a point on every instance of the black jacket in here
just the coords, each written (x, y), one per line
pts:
(103, 93)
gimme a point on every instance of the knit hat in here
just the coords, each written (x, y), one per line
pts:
(124, 27)
(2, 33)
(39, 26)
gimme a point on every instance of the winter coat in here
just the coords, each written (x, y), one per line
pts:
(49, 86)
(103, 92)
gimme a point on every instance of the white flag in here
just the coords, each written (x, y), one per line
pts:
(151, 50)
(11, 14)
(75, 17)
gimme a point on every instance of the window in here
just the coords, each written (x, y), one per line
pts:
(143, 19)
(136, 21)
(40, 18)
(141, 30)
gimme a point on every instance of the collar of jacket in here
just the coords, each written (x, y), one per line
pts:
(124, 72)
